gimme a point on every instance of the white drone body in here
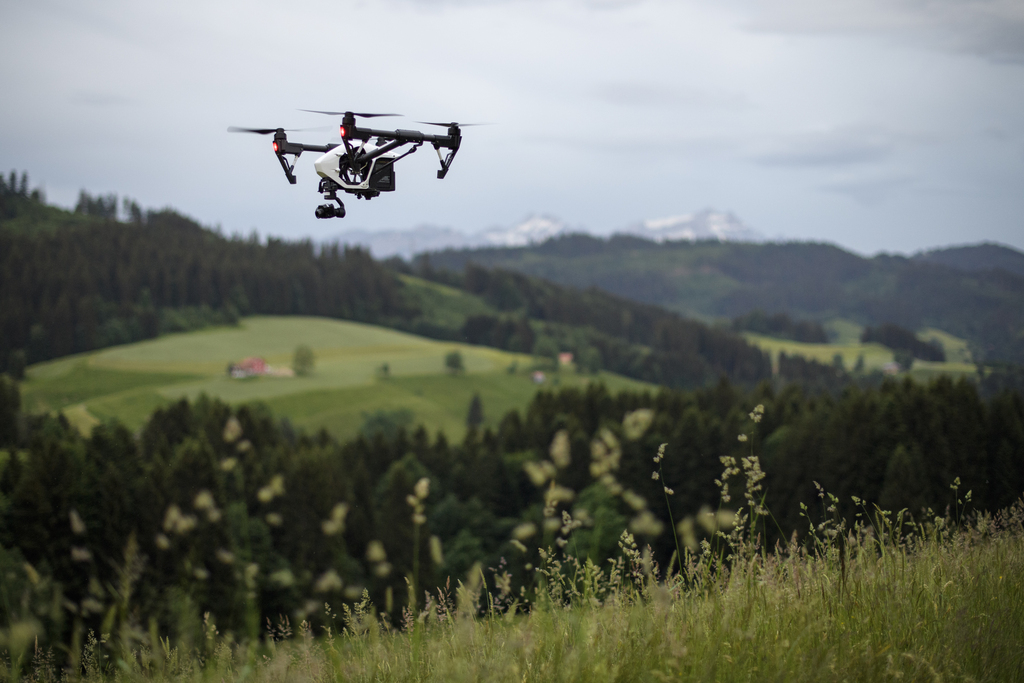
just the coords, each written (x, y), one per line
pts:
(379, 177)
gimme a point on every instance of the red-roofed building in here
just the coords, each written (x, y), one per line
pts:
(248, 367)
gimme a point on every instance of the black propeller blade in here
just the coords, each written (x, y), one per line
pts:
(342, 113)
(453, 123)
(258, 131)
(269, 131)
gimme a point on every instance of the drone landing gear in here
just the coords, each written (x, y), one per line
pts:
(329, 188)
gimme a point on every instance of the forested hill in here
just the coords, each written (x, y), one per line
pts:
(951, 290)
(977, 257)
(76, 281)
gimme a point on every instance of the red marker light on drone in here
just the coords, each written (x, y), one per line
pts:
(342, 131)
(275, 146)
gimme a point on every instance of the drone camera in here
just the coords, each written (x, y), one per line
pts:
(330, 211)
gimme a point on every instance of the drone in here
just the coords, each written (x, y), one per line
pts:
(363, 163)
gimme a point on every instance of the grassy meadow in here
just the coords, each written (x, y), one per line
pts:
(129, 382)
(889, 599)
(846, 344)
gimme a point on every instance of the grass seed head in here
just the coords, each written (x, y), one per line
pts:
(232, 430)
(635, 423)
(77, 525)
(524, 531)
(375, 552)
(79, 554)
(436, 552)
(328, 582)
(272, 490)
(203, 500)
(560, 450)
(646, 524)
(634, 500)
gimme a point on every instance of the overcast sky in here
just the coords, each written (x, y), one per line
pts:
(880, 125)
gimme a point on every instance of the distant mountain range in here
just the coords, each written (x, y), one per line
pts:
(975, 292)
(536, 229)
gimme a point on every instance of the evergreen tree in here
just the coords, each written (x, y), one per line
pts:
(475, 417)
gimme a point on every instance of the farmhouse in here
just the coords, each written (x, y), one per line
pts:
(248, 367)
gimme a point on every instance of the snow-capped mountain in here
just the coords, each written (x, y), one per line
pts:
(406, 243)
(707, 224)
(533, 230)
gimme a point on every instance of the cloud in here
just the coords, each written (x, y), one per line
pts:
(992, 29)
(99, 98)
(650, 94)
(870, 191)
(840, 147)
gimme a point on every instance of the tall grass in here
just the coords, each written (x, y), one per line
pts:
(887, 597)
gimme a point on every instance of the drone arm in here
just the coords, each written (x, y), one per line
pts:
(446, 161)
(282, 147)
(288, 167)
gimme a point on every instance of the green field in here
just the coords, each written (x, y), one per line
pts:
(875, 355)
(129, 382)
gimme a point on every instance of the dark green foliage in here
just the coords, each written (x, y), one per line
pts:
(16, 363)
(15, 196)
(636, 340)
(514, 334)
(386, 423)
(475, 416)
(782, 326)
(996, 378)
(99, 206)
(985, 256)
(303, 360)
(10, 411)
(453, 362)
(815, 377)
(206, 491)
(904, 359)
(899, 339)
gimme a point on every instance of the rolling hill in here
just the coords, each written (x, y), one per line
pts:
(971, 293)
(128, 382)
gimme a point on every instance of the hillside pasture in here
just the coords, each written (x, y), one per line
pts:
(875, 355)
(129, 382)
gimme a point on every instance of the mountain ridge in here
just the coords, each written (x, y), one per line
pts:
(714, 279)
(538, 228)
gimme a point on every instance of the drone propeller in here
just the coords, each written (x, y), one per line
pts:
(270, 131)
(343, 113)
(453, 123)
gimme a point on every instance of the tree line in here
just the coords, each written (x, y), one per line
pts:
(77, 285)
(232, 512)
(899, 339)
(73, 282)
